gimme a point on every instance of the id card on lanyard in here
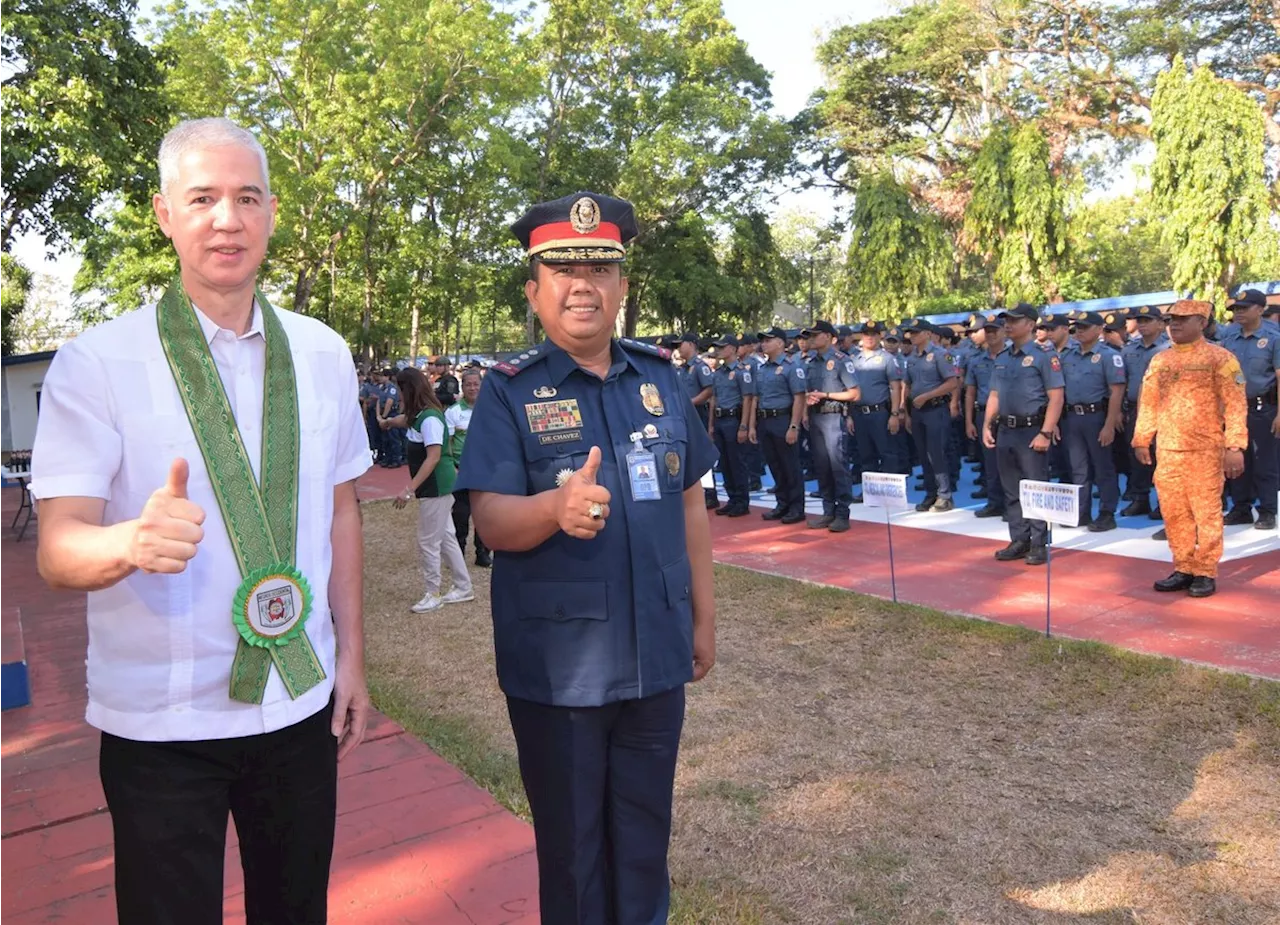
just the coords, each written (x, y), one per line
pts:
(642, 470)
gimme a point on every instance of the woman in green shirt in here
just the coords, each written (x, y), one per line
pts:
(432, 470)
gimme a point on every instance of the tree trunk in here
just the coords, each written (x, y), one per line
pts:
(413, 333)
(302, 287)
(370, 279)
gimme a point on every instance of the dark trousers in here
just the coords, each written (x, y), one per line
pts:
(753, 459)
(599, 781)
(874, 442)
(1091, 463)
(991, 478)
(462, 521)
(931, 428)
(955, 447)
(169, 803)
(732, 463)
(710, 493)
(1140, 482)
(826, 439)
(783, 460)
(1261, 477)
(375, 435)
(1017, 461)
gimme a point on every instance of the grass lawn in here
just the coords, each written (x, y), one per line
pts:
(851, 760)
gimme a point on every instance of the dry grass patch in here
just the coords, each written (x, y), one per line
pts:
(850, 760)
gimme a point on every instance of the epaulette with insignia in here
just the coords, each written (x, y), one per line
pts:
(640, 346)
(523, 361)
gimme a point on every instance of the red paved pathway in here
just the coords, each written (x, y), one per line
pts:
(1095, 596)
(417, 841)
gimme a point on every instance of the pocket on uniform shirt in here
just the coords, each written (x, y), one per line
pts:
(670, 451)
(561, 600)
(676, 579)
(545, 463)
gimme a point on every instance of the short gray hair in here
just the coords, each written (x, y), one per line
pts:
(194, 134)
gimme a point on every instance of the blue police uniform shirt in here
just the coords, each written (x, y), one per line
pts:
(696, 376)
(777, 381)
(1023, 378)
(981, 368)
(733, 381)
(1137, 357)
(876, 369)
(1089, 375)
(582, 623)
(828, 372)
(928, 369)
(1259, 356)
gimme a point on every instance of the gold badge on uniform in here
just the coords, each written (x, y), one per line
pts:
(544, 391)
(831, 364)
(673, 463)
(1262, 343)
(584, 215)
(1096, 358)
(778, 371)
(1027, 361)
(652, 399)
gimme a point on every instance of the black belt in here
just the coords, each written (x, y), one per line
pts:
(1260, 402)
(1017, 420)
(935, 403)
(772, 412)
(828, 407)
(1087, 409)
(729, 412)
(871, 409)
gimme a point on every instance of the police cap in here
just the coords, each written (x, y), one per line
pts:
(820, 327)
(1021, 310)
(872, 327)
(1248, 299)
(748, 338)
(994, 321)
(1088, 319)
(774, 331)
(1146, 311)
(725, 340)
(844, 330)
(582, 227)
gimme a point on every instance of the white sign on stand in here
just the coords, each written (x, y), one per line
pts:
(885, 489)
(1055, 502)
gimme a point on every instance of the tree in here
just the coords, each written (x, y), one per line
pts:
(15, 285)
(83, 114)
(813, 261)
(1208, 184)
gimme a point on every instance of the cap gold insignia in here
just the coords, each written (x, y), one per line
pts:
(652, 399)
(563, 476)
(1027, 361)
(544, 391)
(1111, 319)
(584, 215)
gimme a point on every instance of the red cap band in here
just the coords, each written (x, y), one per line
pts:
(564, 231)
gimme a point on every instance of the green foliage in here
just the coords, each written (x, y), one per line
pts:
(897, 252)
(15, 284)
(1208, 184)
(1115, 248)
(82, 114)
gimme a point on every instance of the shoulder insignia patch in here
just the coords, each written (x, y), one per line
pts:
(506, 368)
(640, 346)
(1117, 361)
(1055, 363)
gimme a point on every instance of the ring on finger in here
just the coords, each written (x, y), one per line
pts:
(596, 511)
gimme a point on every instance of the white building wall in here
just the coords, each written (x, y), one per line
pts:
(22, 383)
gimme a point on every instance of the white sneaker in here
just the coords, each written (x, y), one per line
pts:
(458, 597)
(430, 602)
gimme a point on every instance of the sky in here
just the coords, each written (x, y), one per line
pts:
(781, 36)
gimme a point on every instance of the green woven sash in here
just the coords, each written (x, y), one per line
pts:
(273, 600)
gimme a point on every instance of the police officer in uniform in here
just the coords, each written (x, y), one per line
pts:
(1026, 403)
(982, 367)
(733, 387)
(583, 461)
(832, 382)
(1256, 345)
(929, 379)
(1137, 355)
(697, 378)
(1093, 375)
(750, 358)
(780, 398)
(878, 414)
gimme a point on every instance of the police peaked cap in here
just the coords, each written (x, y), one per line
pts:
(820, 327)
(1021, 310)
(1247, 299)
(579, 228)
(772, 332)
(1146, 311)
(1088, 319)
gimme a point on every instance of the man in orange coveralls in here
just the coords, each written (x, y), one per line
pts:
(1193, 398)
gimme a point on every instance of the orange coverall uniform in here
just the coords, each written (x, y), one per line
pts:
(1193, 398)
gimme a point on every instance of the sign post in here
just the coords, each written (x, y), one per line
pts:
(1054, 503)
(889, 491)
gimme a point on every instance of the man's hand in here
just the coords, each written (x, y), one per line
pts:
(793, 434)
(168, 530)
(742, 433)
(350, 705)
(751, 435)
(988, 437)
(704, 650)
(1275, 427)
(1142, 454)
(848, 425)
(1040, 443)
(402, 499)
(970, 430)
(1107, 435)
(579, 496)
(894, 423)
(918, 401)
(812, 398)
(906, 422)
(1233, 464)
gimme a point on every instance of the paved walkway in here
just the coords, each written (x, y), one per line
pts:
(417, 841)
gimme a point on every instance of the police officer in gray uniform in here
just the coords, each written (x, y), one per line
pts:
(878, 414)
(1256, 344)
(1093, 376)
(780, 398)
(697, 378)
(930, 379)
(583, 460)
(732, 388)
(832, 382)
(1137, 355)
(982, 366)
(1026, 403)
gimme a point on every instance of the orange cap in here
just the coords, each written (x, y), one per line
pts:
(1191, 307)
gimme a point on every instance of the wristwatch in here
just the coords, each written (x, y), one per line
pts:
(1047, 434)
(794, 427)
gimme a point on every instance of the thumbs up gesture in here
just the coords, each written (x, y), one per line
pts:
(582, 506)
(168, 530)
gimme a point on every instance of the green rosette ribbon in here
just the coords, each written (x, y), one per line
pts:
(247, 600)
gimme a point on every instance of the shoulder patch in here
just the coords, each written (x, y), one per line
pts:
(505, 368)
(848, 366)
(1117, 361)
(799, 372)
(639, 346)
(1055, 363)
